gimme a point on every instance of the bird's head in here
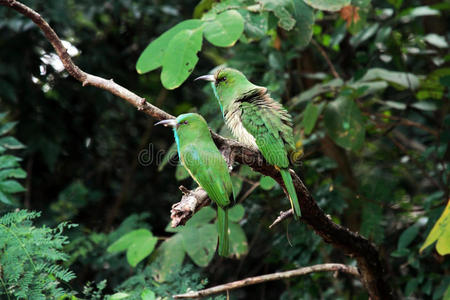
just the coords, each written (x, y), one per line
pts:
(228, 84)
(187, 125)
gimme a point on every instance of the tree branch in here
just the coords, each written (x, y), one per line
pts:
(269, 277)
(365, 253)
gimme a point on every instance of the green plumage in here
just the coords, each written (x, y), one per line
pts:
(257, 121)
(207, 167)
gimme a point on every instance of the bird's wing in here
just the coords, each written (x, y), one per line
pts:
(273, 136)
(207, 167)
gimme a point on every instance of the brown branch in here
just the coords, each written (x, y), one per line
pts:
(327, 59)
(190, 203)
(365, 253)
(283, 215)
(269, 277)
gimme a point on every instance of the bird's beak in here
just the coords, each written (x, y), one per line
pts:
(168, 122)
(206, 77)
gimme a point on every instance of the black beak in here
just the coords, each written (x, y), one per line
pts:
(210, 78)
(169, 122)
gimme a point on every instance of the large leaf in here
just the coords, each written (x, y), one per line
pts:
(328, 5)
(344, 123)
(152, 56)
(181, 57)
(238, 240)
(440, 233)
(304, 17)
(398, 79)
(200, 243)
(310, 116)
(225, 29)
(139, 244)
(169, 257)
(203, 216)
(11, 187)
(280, 10)
(236, 213)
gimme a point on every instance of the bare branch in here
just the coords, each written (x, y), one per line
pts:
(269, 277)
(190, 202)
(283, 215)
(365, 253)
(327, 59)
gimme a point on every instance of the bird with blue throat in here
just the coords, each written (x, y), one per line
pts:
(257, 121)
(204, 162)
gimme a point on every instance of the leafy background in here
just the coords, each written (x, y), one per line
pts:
(373, 143)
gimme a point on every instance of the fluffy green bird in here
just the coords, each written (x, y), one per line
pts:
(205, 164)
(257, 121)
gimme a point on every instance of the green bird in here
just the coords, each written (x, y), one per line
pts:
(201, 158)
(257, 121)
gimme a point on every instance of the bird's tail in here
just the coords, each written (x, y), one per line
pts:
(287, 179)
(222, 226)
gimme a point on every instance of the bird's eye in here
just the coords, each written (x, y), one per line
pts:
(185, 122)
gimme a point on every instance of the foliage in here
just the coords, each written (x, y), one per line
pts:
(373, 135)
(30, 258)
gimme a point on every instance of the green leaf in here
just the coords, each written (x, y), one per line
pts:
(10, 142)
(317, 90)
(225, 29)
(256, 25)
(436, 40)
(279, 8)
(426, 106)
(152, 56)
(304, 18)
(7, 127)
(12, 173)
(203, 216)
(236, 213)
(344, 123)
(9, 161)
(11, 187)
(310, 116)
(118, 296)
(148, 295)
(238, 240)
(169, 257)
(181, 57)
(398, 79)
(407, 237)
(200, 243)
(141, 248)
(440, 231)
(328, 5)
(267, 182)
(139, 244)
(6, 199)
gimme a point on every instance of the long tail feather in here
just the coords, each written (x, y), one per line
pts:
(287, 179)
(222, 224)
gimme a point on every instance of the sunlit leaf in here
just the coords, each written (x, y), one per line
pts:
(180, 57)
(440, 230)
(225, 29)
(328, 5)
(152, 56)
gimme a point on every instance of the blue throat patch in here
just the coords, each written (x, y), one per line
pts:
(177, 140)
(217, 97)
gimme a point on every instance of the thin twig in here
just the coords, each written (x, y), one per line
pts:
(327, 59)
(283, 215)
(367, 256)
(269, 277)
